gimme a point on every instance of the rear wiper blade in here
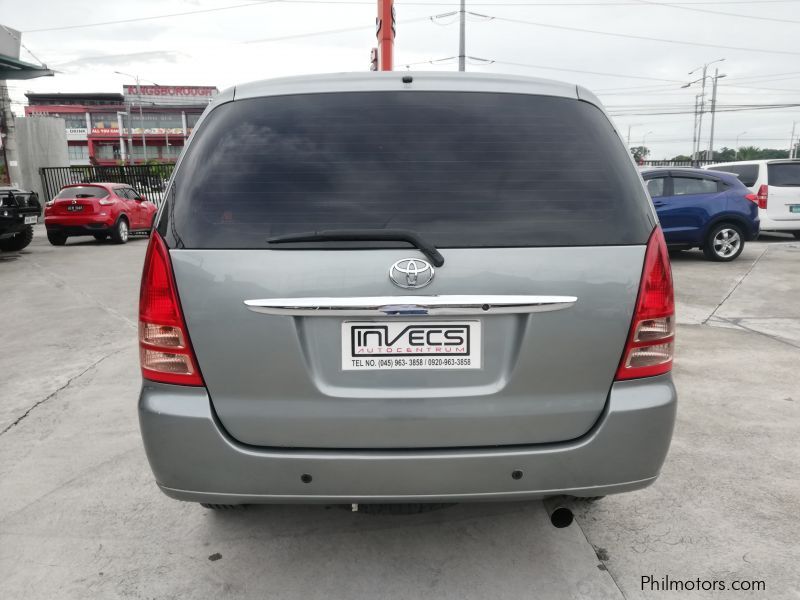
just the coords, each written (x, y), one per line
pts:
(364, 235)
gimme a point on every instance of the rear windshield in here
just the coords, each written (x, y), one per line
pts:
(784, 174)
(748, 174)
(82, 191)
(461, 169)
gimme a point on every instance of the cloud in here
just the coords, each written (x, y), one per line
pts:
(111, 60)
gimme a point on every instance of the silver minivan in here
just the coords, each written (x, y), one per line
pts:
(405, 288)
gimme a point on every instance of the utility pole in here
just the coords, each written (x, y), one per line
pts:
(694, 127)
(700, 109)
(700, 114)
(710, 154)
(385, 35)
(791, 141)
(9, 141)
(462, 33)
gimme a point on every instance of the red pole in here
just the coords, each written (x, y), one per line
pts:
(385, 35)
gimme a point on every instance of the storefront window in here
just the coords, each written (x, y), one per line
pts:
(104, 121)
(78, 153)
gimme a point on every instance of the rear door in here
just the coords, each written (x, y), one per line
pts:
(132, 208)
(687, 210)
(515, 339)
(78, 200)
(784, 191)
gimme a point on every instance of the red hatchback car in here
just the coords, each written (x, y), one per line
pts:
(98, 209)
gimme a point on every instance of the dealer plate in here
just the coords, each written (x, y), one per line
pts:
(30, 220)
(398, 345)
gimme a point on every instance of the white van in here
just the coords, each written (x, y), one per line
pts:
(777, 185)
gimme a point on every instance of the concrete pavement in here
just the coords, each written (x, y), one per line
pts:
(80, 516)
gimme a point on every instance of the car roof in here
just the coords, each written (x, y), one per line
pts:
(103, 184)
(760, 161)
(399, 80)
(690, 171)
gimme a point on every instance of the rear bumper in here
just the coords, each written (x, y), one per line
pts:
(193, 459)
(79, 224)
(12, 220)
(768, 224)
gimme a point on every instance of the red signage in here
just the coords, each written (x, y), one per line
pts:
(172, 91)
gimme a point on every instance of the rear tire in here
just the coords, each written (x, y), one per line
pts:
(221, 506)
(796, 235)
(18, 241)
(57, 239)
(398, 509)
(121, 232)
(724, 242)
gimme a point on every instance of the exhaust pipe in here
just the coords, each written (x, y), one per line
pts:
(560, 514)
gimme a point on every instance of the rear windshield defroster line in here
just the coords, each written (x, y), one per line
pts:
(459, 169)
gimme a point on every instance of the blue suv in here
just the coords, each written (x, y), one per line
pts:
(710, 210)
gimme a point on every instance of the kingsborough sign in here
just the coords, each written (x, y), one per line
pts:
(170, 94)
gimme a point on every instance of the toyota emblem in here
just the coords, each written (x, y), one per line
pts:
(411, 273)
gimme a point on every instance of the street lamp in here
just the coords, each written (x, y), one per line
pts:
(141, 118)
(737, 143)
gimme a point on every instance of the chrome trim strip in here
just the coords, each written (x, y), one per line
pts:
(404, 306)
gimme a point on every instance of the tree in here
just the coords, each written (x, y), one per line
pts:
(681, 158)
(640, 153)
(725, 154)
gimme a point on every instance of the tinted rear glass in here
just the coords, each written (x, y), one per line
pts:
(462, 169)
(784, 174)
(83, 191)
(748, 174)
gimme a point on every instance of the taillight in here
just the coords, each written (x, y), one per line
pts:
(107, 202)
(649, 348)
(763, 196)
(165, 352)
(752, 197)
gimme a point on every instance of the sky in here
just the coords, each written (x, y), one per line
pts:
(634, 54)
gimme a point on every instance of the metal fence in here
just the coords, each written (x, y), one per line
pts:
(150, 180)
(677, 163)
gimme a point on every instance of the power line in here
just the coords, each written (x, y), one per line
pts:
(151, 18)
(605, 74)
(717, 12)
(642, 37)
(328, 32)
(365, 2)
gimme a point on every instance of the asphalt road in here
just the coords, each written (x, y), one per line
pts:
(80, 516)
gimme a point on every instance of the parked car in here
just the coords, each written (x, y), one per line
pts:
(19, 212)
(397, 288)
(776, 183)
(703, 209)
(102, 210)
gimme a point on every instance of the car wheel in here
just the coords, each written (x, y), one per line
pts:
(724, 242)
(100, 236)
(796, 235)
(57, 239)
(121, 231)
(17, 242)
(221, 506)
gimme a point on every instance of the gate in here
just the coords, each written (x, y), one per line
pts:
(149, 180)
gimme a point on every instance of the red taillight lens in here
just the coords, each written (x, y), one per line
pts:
(763, 196)
(752, 197)
(649, 348)
(165, 352)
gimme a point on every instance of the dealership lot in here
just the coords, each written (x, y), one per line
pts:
(81, 517)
